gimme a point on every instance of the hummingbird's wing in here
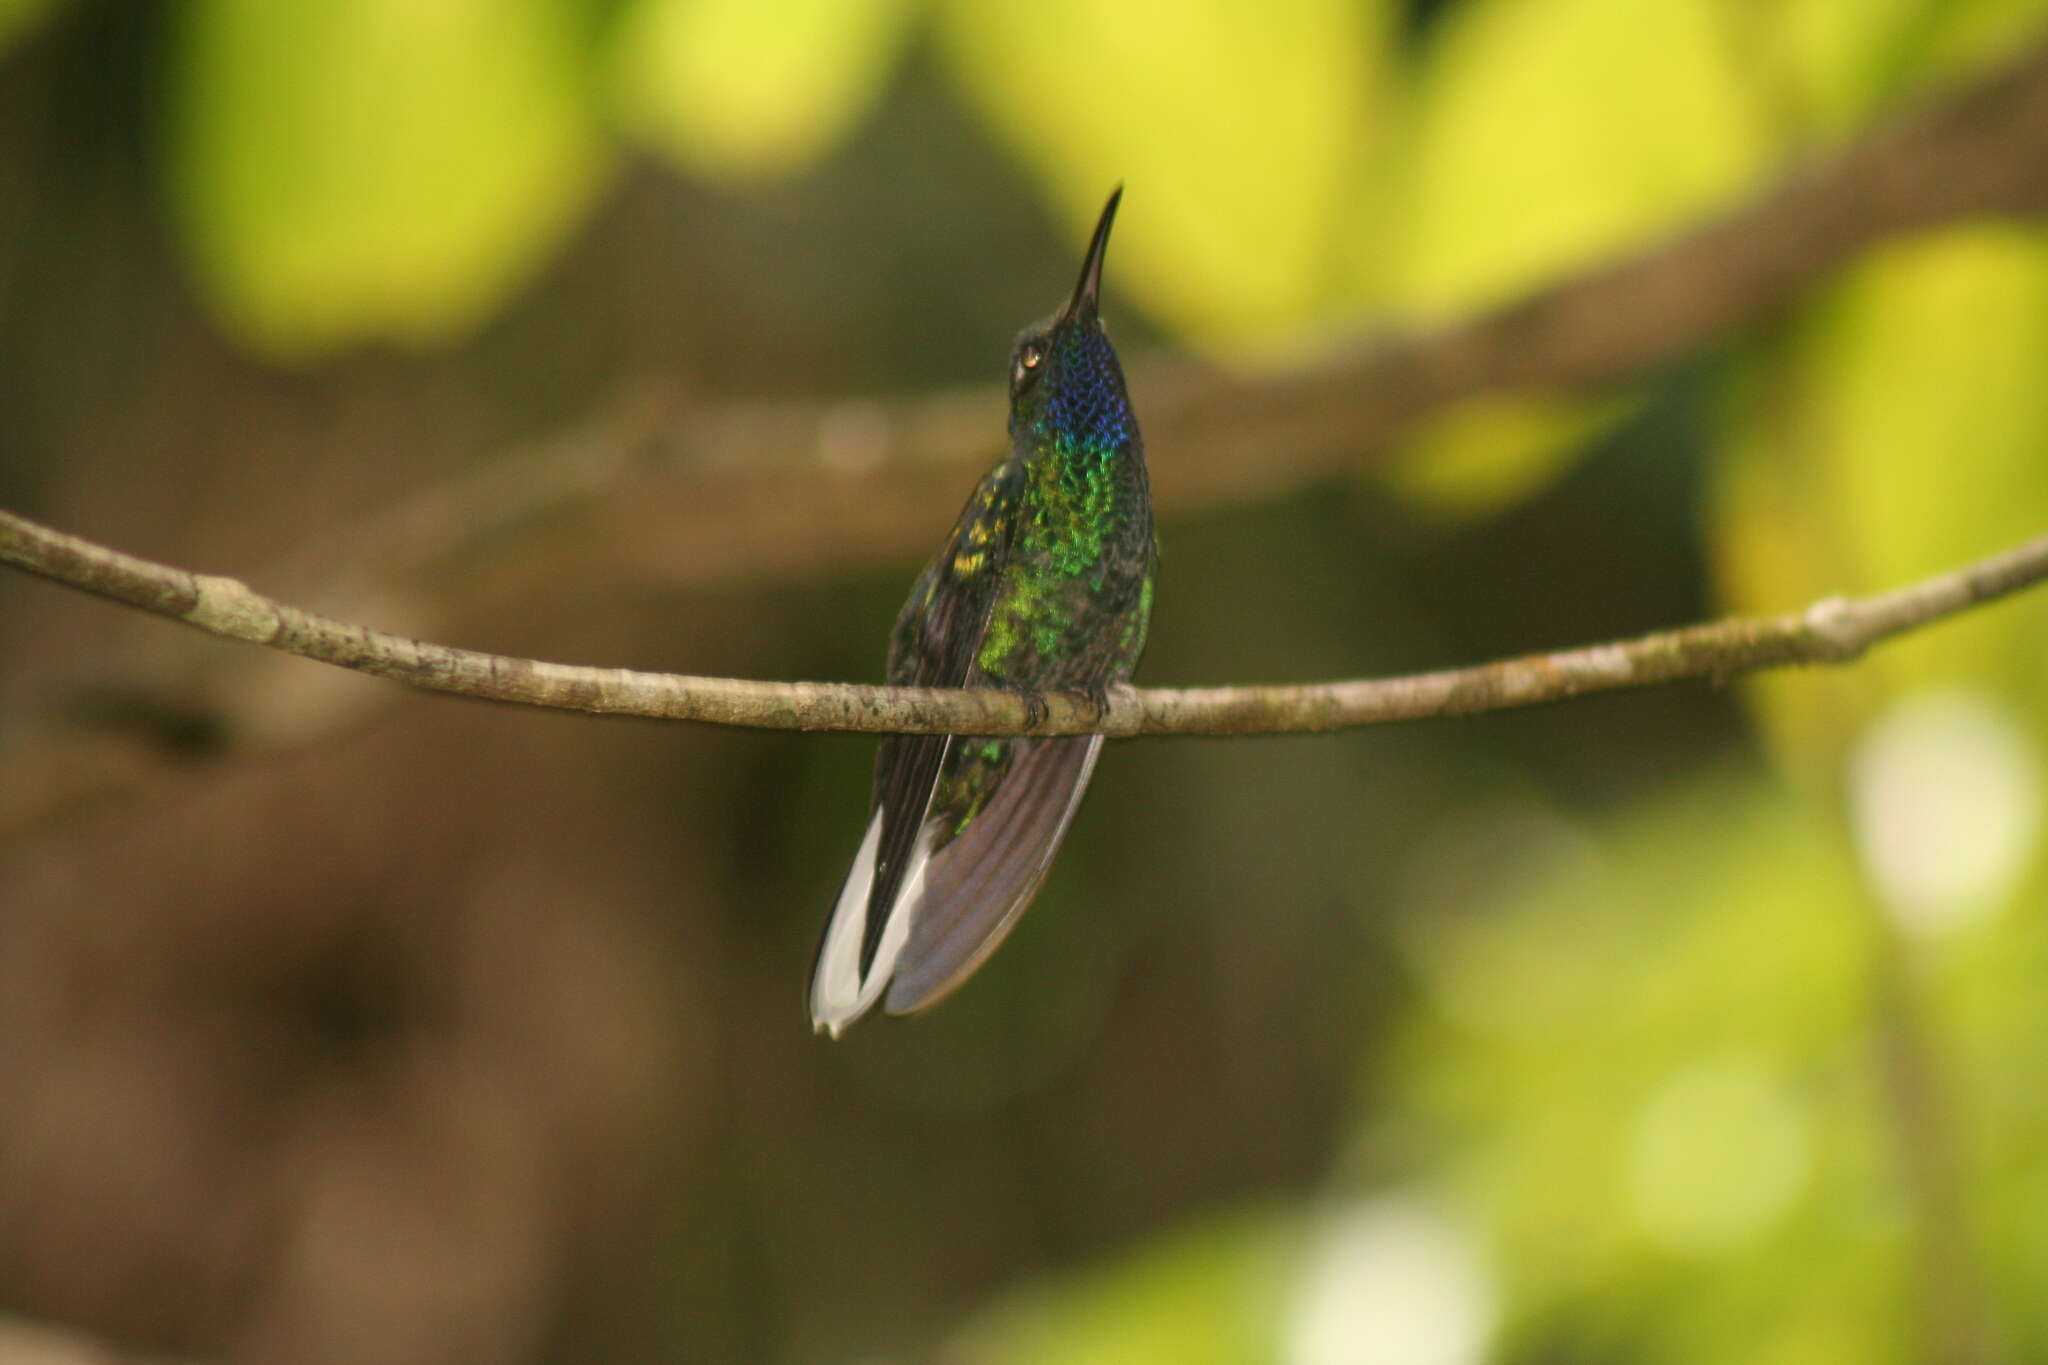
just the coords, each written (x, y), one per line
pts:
(977, 884)
(937, 637)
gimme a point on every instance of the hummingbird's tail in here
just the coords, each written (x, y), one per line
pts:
(843, 987)
(954, 903)
(978, 886)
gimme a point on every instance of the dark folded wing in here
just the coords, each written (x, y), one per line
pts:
(938, 633)
(978, 885)
(937, 636)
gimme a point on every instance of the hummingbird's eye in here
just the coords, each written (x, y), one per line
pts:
(1025, 367)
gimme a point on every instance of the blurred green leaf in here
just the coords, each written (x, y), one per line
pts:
(1642, 1058)
(1548, 135)
(1835, 58)
(1965, 33)
(1238, 130)
(1643, 1055)
(743, 91)
(18, 17)
(1926, 404)
(1486, 454)
(356, 169)
(1995, 1023)
(1208, 1294)
(1840, 59)
(1896, 432)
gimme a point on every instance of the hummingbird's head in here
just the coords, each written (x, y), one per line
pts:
(1065, 383)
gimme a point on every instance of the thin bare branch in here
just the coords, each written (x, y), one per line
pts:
(1832, 631)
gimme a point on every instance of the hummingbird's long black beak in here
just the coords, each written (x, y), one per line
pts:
(1088, 291)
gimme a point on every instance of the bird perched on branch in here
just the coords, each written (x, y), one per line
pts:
(1045, 585)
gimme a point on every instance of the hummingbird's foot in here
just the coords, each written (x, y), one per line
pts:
(1098, 697)
(1035, 709)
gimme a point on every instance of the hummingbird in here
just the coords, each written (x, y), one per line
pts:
(1044, 585)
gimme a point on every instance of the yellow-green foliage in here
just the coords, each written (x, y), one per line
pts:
(346, 169)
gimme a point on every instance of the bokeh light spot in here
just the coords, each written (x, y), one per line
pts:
(1720, 1151)
(1391, 1281)
(1945, 797)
